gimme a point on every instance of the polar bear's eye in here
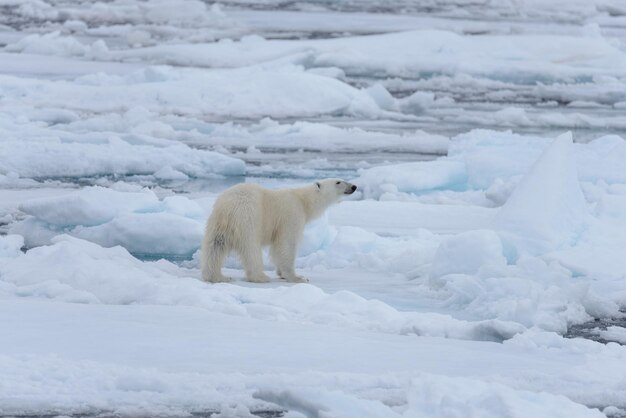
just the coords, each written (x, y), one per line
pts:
(338, 182)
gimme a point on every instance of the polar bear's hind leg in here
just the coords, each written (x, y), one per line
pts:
(214, 251)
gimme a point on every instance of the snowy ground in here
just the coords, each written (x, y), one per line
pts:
(487, 142)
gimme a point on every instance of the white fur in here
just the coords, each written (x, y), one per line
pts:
(247, 217)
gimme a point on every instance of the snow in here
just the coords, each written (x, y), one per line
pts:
(429, 396)
(11, 245)
(521, 57)
(74, 258)
(487, 143)
(136, 220)
(268, 134)
(191, 369)
(55, 44)
(491, 160)
(89, 206)
(547, 209)
(467, 253)
(412, 178)
(614, 333)
(149, 233)
(191, 91)
(35, 151)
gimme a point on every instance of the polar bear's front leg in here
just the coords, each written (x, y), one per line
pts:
(283, 255)
(252, 260)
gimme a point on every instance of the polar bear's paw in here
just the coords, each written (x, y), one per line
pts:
(259, 278)
(219, 279)
(296, 279)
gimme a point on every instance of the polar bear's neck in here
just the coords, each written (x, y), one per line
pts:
(314, 201)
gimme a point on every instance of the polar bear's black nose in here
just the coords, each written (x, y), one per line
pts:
(353, 188)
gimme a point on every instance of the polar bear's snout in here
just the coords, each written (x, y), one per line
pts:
(350, 188)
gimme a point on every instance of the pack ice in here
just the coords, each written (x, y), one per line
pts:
(452, 283)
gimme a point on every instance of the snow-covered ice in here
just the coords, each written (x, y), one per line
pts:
(487, 141)
(547, 209)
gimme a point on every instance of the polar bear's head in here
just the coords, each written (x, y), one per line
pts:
(332, 189)
(320, 195)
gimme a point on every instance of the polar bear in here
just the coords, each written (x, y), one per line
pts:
(247, 217)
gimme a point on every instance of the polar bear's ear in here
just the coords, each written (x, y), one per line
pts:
(317, 183)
